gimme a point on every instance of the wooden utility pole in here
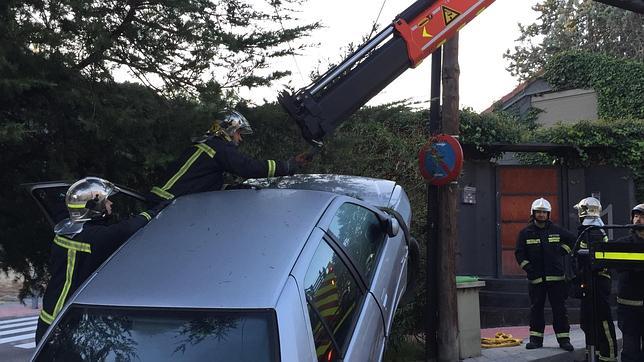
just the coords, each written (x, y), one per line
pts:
(432, 270)
(447, 225)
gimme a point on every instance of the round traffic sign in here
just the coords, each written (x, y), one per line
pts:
(441, 160)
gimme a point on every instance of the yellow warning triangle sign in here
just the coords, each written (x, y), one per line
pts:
(449, 14)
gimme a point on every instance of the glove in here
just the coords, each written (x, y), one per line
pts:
(156, 209)
(293, 165)
(241, 187)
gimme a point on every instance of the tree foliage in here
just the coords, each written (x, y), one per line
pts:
(619, 83)
(584, 25)
(616, 143)
(178, 44)
(493, 127)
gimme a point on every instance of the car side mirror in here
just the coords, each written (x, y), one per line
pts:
(393, 227)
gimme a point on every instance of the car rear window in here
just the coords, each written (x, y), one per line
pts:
(100, 334)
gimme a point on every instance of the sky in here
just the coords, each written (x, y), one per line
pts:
(482, 43)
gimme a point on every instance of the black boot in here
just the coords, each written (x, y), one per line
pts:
(533, 345)
(535, 342)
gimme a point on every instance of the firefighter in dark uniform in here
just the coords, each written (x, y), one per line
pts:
(201, 167)
(630, 298)
(83, 242)
(589, 211)
(540, 250)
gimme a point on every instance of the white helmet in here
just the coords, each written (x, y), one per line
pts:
(86, 198)
(540, 204)
(589, 207)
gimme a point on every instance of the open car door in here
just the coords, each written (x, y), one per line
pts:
(50, 197)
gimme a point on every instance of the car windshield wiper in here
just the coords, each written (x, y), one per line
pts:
(327, 328)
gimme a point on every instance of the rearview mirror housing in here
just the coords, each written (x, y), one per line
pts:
(393, 227)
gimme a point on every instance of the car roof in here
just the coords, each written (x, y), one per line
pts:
(231, 249)
(376, 192)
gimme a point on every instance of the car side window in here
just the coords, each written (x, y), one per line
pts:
(359, 231)
(333, 299)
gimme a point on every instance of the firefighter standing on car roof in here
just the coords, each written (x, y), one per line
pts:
(83, 242)
(540, 250)
(201, 167)
(630, 298)
(600, 323)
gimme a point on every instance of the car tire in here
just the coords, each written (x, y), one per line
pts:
(413, 269)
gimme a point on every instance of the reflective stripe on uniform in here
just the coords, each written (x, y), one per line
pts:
(161, 193)
(532, 241)
(611, 343)
(555, 278)
(536, 281)
(207, 149)
(322, 349)
(146, 215)
(271, 168)
(72, 247)
(346, 314)
(320, 303)
(608, 359)
(46, 317)
(562, 335)
(536, 334)
(630, 302)
(72, 244)
(524, 263)
(583, 245)
(619, 256)
(76, 206)
(554, 238)
(69, 274)
(201, 148)
(566, 248)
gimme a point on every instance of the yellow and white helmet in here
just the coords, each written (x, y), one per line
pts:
(589, 207)
(540, 204)
(86, 198)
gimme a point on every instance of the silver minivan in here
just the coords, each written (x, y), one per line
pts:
(300, 268)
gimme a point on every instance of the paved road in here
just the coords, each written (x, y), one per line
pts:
(17, 338)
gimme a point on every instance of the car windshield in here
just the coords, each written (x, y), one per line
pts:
(101, 334)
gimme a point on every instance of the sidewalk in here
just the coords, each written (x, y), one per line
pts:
(15, 309)
(549, 352)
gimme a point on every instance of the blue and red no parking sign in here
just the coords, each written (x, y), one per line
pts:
(441, 160)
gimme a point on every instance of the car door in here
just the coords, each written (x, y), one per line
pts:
(344, 320)
(50, 198)
(357, 228)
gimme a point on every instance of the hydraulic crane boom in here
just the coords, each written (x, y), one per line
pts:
(419, 30)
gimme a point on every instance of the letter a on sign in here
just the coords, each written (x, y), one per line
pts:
(449, 15)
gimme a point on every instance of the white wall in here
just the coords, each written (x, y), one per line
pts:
(568, 106)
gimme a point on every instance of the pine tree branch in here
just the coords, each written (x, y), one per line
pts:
(97, 54)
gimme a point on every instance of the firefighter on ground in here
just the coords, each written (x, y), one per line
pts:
(201, 167)
(600, 323)
(83, 242)
(630, 298)
(540, 250)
